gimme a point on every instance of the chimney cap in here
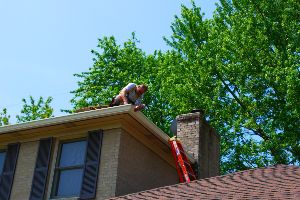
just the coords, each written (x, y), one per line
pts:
(196, 110)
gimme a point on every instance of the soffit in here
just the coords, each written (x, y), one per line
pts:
(107, 118)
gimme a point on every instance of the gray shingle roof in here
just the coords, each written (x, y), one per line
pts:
(276, 182)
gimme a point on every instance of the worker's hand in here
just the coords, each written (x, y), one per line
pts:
(139, 107)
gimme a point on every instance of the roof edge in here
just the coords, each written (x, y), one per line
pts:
(141, 118)
(122, 109)
(65, 119)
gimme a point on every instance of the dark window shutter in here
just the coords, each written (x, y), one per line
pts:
(9, 171)
(91, 167)
(41, 170)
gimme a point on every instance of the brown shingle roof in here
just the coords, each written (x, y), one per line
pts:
(277, 182)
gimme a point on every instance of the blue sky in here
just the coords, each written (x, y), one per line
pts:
(43, 43)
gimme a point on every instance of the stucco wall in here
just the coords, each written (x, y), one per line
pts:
(140, 168)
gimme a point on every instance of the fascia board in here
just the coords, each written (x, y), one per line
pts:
(66, 119)
(142, 119)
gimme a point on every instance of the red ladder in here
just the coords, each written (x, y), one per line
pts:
(184, 169)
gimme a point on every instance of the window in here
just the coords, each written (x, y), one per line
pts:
(2, 159)
(77, 167)
(69, 169)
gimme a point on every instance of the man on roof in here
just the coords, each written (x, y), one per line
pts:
(131, 94)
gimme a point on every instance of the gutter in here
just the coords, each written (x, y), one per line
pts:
(65, 119)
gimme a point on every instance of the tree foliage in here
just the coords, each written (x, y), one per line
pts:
(33, 110)
(114, 67)
(241, 67)
(245, 63)
(4, 117)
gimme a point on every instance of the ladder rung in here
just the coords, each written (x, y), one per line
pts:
(184, 169)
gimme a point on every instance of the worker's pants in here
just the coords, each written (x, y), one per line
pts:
(116, 101)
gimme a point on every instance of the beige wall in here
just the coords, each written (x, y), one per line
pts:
(126, 166)
(24, 171)
(140, 168)
(108, 164)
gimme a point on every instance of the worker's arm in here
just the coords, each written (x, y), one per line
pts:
(123, 95)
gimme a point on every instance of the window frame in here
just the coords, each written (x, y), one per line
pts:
(58, 169)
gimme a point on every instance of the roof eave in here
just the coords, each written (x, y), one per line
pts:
(138, 116)
(65, 119)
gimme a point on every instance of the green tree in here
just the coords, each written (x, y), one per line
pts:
(114, 67)
(4, 117)
(241, 67)
(33, 110)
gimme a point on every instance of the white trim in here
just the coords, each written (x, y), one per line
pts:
(139, 116)
(65, 119)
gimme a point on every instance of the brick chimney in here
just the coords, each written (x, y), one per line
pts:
(201, 141)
